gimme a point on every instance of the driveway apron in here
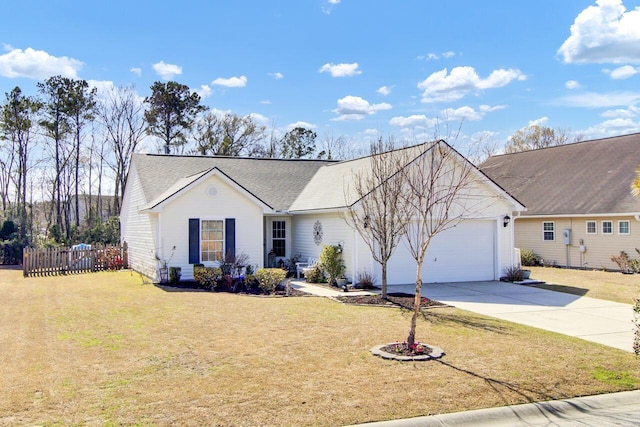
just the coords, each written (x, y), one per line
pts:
(604, 322)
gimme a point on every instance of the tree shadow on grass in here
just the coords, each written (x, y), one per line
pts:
(531, 395)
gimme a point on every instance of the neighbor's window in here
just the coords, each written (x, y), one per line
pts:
(623, 227)
(212, 240)
(549, 231)
(278, 236)
(592, 227)
(607, 227)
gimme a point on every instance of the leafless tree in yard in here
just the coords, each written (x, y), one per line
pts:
(437, 191)
(379, 210)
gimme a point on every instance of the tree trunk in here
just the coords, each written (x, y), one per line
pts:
(384, 281)
(411, 339)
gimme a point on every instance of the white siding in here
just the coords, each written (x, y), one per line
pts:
(334, 230)
(197, 203)
(138, 229)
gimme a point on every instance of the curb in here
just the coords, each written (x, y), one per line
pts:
(594, 410)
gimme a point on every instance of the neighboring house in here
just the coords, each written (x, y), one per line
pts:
(580, 210)
(208, 206)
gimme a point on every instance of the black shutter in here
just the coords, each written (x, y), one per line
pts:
(194, 241)
(230, 237)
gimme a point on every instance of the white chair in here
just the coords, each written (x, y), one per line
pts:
(304, 267)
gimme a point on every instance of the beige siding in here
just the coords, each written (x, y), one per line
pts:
(197, 203)
(599, 247)
(138, 229)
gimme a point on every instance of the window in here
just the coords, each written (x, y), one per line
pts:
(624, 227)
(278, 237)
(548, 231)
(607, 227)
(592, 227)
(212, 240)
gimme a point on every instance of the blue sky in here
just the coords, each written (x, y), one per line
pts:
(352, 68)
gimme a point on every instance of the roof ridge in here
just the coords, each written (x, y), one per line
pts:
(570, 144)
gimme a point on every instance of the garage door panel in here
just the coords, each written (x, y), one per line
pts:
(463, 253)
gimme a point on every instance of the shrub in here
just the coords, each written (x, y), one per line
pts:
(207, 277)
(636, 321)
(623, 261)
(174, 274)
(513, 274)
(330, 262)
(529, 258)
(314, 275)
(366, 280)
(269, 278)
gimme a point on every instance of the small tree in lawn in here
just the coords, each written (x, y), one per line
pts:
(437, 192)
(378, 213)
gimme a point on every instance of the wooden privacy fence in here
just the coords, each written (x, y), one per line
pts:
(58, 261)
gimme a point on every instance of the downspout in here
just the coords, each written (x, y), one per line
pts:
(355, 256)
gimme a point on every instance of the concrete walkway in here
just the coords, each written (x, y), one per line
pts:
(604, 322)
(615, 409)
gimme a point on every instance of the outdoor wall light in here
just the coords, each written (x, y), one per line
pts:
(505, 220)
(365, 223)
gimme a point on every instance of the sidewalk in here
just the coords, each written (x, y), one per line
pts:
(323, 291)
(615, 409)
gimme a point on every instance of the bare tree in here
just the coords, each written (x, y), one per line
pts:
(122, 116)
(228, 135)
(17, 123)
(437, 192)
(534, 137)
(380, 209)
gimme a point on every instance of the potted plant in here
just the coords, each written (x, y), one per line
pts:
(331, 262)
(164, 266)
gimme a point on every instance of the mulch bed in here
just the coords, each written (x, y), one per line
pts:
(394, 299)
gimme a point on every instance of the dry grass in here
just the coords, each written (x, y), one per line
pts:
(608, 285)
(106, 348)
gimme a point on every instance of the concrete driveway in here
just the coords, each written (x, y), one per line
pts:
(604, 322)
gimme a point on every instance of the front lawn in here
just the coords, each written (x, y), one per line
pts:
(107, 348)
(608, 285)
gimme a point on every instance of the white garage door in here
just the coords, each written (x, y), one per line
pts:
(463, 253)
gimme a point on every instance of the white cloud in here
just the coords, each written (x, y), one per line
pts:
(419, 120)
(622, 73)
(204, 91)
(328, 7)
(102, 86)
(136, 70)
(488, 108)
(357, 108)
(277, 75)
(340, 70)
(167, 71)
(265, 102)
(230, 82)
(36, 64)
(300, 124)
(371, 132)
(626, 113)
(448, 54)
(605, 33)
(259, 118)
(611, 128)
(442, 86)
(461, 114)
(539, 122)
(572, 84)
(599, 100)
(384, 90)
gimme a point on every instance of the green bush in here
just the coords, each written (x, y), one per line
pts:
(314, 275)
(207, 277)
(529, 258)
(269, 278)
(331, 263)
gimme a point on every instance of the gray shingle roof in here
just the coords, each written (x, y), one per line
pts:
(275, 182)
(590, 177)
